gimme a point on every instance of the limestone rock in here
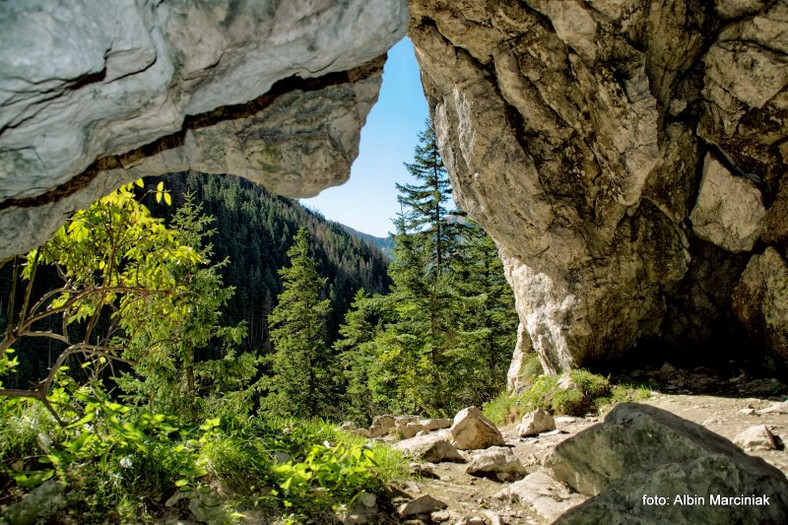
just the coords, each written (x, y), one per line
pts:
(590, 124)
(471, 430)
(382, 425)
(498, 463)
(535, 422)
(411, 429)
(728, 211)
(574, 132)
(433, 447)
(93, 98)
(761, 301)
(549, 498)
(436, 424)
(756, 437)
(424, 504)
(776, 408)
(641, 450)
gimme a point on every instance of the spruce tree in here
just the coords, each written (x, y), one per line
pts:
(302, 384)
(451, 325)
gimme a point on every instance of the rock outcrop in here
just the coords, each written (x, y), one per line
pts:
(577, 133)
(94, 97)
(627, 157)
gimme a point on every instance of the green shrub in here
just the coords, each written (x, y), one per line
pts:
(587, 393)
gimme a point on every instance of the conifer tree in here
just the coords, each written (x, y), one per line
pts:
(451, 322)
(302, 384)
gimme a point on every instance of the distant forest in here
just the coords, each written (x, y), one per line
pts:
(255, 229)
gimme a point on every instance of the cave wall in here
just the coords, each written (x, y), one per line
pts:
(626, 155)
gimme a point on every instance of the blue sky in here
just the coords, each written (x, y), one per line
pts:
(368, 201)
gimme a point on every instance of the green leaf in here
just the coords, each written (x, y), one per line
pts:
(32, 479)
(181, 482)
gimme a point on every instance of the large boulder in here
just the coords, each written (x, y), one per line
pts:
(761, 301)
(471, 430)
(643, 463)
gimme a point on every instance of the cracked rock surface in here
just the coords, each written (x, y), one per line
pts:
(92, 96)
(577, 132)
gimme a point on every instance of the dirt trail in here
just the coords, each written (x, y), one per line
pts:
(472, 500)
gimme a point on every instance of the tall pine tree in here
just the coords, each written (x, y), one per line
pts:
(303, 383)
(451, 323)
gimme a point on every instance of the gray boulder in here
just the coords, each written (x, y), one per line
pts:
(646, 465)
(497, 463)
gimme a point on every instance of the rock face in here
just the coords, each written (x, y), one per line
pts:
(641, 450)
(274, 91)
(626, 156)
(576, 134)
(761, 300)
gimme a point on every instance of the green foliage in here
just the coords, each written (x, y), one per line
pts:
(302, 384)
(255, 229)
(168, 374)
(145, 297)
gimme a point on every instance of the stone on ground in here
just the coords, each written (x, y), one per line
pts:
(433, 447)
(410, 429)
(497, 463)
(535, 422)
(548, 497)
(471, 430)
(756, 437)
(776, 408)
(436, 424)
(424, 504)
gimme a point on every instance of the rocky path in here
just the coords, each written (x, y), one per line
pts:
(479, 500)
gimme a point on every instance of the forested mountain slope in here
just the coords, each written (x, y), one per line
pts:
(255, 228)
